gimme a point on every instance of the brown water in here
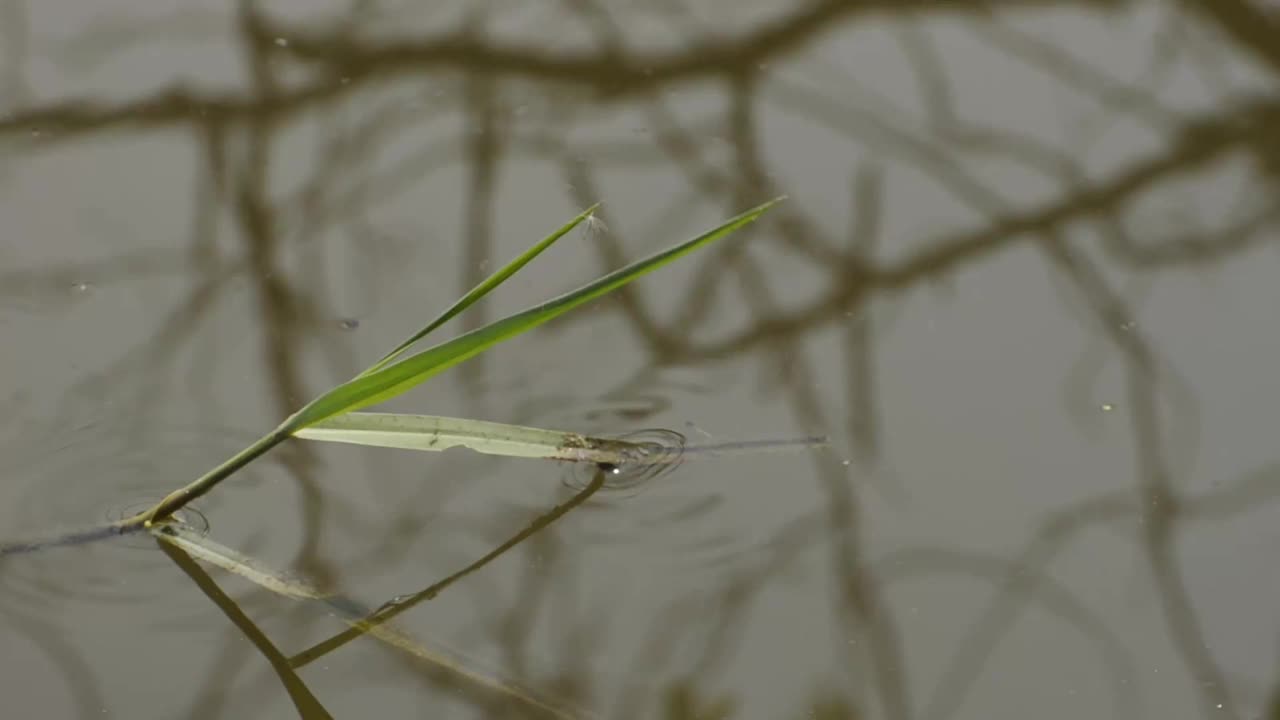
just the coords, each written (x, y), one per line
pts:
(1025, 281)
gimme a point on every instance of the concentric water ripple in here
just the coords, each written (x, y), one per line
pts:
(657, 453)
(686, 523)
(89, 476)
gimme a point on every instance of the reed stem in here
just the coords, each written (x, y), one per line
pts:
(179, 498)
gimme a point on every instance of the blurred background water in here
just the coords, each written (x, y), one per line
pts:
(1024, 281)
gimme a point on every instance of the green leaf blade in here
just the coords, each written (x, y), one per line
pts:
(482, 289)
(394, 380)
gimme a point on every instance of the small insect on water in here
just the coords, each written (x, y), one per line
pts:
(594, 226)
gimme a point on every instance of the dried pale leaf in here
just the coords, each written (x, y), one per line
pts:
(436, 434)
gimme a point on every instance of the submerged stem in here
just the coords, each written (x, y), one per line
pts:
(179, 498)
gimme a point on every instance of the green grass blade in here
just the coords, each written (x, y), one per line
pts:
(396, 379)
(482, 289)
(437, 434)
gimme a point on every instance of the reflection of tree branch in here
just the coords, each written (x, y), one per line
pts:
(862, 606)
(1116, 96)
(306, 703)
(401, 604)
(1120, 317)
(407, 602)
(935, 159)
(81, 682)
(1018, 585)
(483, 151)
(732, 602)
(1023, 579)
(859, 334)
(1161, 499)
(608, 73)
(931, 74)
(13, 52)
(278, 304)
(1251, 27)
(346, 59)
(1156, 505)
(1208, 142)
(513, 630)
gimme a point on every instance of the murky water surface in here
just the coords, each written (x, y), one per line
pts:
(1025, 282)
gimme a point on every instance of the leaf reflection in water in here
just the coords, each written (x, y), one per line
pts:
(360, 618)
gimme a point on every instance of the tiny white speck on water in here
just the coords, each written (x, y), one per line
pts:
(81, 287)
(846, 463)
(282, 42)
(1108, 407)
(348, 323)
(1128, 325)
(595, 226)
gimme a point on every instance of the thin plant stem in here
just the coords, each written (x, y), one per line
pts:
(177, 499)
